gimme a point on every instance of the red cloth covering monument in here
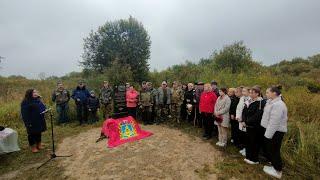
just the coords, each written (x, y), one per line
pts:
(122, 130)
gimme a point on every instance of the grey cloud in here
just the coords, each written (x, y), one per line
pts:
(47, 36)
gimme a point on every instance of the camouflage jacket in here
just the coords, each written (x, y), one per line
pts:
(145, 98)
(105, 95)
(177, 96)
(154, 94)
(60, 96)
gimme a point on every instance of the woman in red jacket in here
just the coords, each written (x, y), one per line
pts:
(207, 102)
(132, 100)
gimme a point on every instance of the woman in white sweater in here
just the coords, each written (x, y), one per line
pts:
(245, 98)
(274, 120)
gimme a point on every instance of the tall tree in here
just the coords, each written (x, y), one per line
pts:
(236, 57)
(125, 40)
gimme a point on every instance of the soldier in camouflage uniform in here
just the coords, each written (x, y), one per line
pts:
(105, 97)
(176, 101)
(154, 95)
(61, 97)
(145, 103)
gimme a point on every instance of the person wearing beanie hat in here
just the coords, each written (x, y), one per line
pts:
(106, 100)
(61, 97)
(80, 96)
(93, 106)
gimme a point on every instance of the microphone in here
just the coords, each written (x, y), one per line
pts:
(46, 111)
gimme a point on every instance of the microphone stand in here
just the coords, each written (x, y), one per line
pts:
(53, 154)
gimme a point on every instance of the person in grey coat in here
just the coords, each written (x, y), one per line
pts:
(274, 120)
(164, 101)
(221, 112)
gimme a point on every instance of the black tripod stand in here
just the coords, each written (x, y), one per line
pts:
(53, 155)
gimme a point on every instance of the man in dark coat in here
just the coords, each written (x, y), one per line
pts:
(199, 90)
(80, 96)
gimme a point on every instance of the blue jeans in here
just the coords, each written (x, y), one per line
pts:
(62, 110)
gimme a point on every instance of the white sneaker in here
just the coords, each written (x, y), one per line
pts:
(243, 152)
(218, 143)
(222, 144)
(250, 162)
(272, 172)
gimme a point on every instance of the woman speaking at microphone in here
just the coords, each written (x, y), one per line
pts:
(31, 112)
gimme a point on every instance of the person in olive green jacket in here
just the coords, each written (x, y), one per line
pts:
(61, 97)
(145, 103)
(154, 95)
(176, 101)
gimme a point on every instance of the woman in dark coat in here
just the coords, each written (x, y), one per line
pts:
(190, 101)
(234, 123)
(31, 108)
(252, 115)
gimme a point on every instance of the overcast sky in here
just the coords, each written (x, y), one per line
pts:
(47, 36)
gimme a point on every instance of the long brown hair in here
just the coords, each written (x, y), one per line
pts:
(28, 95)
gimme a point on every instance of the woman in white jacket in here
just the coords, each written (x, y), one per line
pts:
(245, 98)
(274, 120)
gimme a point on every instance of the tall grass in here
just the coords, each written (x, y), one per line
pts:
(300, 150)
(301, 147)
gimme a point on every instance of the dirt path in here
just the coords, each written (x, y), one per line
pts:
(168, 154)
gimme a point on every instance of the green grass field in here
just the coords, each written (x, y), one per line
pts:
(300, 150)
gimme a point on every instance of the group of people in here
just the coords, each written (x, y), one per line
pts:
(257, 124)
